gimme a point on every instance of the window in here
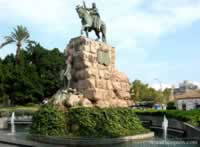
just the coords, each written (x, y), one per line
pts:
(183, 106)
(197, 106)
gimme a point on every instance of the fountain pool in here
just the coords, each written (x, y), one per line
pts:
(21, 135)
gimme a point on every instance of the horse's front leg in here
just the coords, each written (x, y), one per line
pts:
(82, 29)
(86, 32)
(97, 34)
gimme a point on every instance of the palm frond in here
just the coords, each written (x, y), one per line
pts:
(20, 33)
(8, 40)
(30, 42)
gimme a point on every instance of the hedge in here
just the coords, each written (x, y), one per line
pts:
(107, 122)
(87, 122)
(48, 121)
(192, 116)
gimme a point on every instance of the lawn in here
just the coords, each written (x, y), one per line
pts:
(19, 110)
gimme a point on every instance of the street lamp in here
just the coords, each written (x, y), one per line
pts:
(162, 99)
(159, 83)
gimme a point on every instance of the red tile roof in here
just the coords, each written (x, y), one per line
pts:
(188, 95)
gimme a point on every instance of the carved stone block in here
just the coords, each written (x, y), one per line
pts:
(95, 76)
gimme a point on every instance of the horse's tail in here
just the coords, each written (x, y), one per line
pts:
(104, 27)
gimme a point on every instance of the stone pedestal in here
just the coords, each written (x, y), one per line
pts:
(94, 74)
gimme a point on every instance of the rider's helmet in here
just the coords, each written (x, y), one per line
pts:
(93, 5)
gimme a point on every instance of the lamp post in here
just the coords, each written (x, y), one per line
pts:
(159, 83)
(162, 99)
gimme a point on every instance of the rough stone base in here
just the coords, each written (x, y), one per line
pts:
(66, 99)
(94, 74)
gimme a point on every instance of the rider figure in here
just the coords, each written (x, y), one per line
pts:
(95, 14)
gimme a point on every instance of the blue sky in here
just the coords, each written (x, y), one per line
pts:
(153, 39)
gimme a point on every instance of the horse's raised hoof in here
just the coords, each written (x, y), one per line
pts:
(104, 40)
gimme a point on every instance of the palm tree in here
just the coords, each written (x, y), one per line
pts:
(19, 35)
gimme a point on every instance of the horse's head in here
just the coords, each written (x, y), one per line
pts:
(77, 7)
(80, 10)
(85, 17)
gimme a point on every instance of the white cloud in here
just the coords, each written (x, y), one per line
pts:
(164, 16)
(143, 25)
(122, 17)
(158, 86)
(36, 11)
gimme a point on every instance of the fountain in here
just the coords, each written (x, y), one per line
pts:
(12, 121)
(164, 127)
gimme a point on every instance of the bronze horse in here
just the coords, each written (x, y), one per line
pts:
(88, 24)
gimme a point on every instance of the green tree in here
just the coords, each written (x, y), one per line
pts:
(19, 35)
(139, 90)
(6, 68)
(166, 94)
(48, 64)
(1, 83)
(135, 90)
(143, 92)
(35, 78)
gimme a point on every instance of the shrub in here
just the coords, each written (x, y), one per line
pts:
(192, 116)
(86, 122)
(5, 113)
(107, 122)
(171, 106)
(48, 121)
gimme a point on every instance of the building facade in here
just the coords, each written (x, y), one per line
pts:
(188, 100)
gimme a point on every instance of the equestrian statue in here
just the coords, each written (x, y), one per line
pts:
(91, 21)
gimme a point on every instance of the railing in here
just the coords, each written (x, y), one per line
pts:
(21, 120)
